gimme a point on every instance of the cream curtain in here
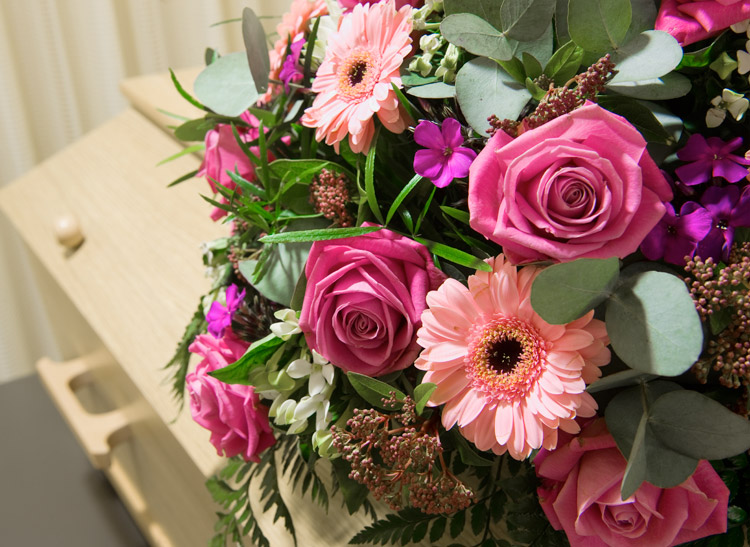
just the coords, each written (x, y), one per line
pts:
(60, 65)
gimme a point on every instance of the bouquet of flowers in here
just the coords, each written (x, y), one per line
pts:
(489, 260)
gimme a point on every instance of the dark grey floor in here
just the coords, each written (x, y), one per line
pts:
(50, 495)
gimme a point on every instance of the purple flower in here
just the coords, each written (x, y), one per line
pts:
(729, 210)
(445, 159)
(219, 317)
(711, 158)
(291, 71)
(677, 236)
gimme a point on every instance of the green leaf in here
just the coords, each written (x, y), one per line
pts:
(599, 26)
(692, 424)
(719, 320)
(669, 86)
(414, 80)
(541, 48)
(564, 292)
(372, 199)
(532, 67)
(537, 93)
(455, 255)
(564, 63)
(458, 521)
(526, 20)
(303, 171)
(181, 90)
(627, 417)
(438, 527)
(652, 324)
(183, 178)
(194, 130)
(184, 152)
(489, 10)
(458, 214)
(436, 90)
(258, 353)
(638, 115)
(353, 492)
(483, 88)
(256, 49)
(247, 186)
(515, 69)
(373, 391)
(479, 515)
(226, 86)
(468, 455)
(651, 54)
(476, 36)
(267, 117)
(319, 235)
(405, 191)
(422, 395)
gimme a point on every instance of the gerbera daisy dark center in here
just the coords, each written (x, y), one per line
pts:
(503, 355)
(357, 72)
(506, 356)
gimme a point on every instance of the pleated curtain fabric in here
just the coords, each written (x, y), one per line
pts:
(61, 62)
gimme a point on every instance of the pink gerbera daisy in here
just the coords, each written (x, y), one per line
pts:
(355, 80)
(508, 378)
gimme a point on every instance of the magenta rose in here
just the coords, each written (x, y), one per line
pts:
(691, 21)
(580, 186)
(231, 412)
(223, 153)
(580, 494)
(364, 299)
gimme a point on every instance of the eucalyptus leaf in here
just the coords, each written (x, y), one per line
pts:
(436, 90)
(483, 88)
(652, 324)
(643, 18)
(284, 265)
(476, 36)
(627, 417)
(561, 21)
(541, 48)
(669, 86)
(256, 49)
(374, 391)
(489, 10)
(422, 395)
(619, 379)
(649, 55)
(564, 292)
(526, 20)
(226, 85)
(599, 26)
(692, 424)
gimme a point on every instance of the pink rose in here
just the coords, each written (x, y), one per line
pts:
(580, 186)
(691, 21)
(364, 299)
(580, 494)
(223, 153)
(231, 412)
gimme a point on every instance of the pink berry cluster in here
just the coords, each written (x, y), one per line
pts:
(715, 289)
(329, 194)
(561, 100)
(393, 454)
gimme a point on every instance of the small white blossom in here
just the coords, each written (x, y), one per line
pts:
(320, 371)
(742, 26)
(729, 101)
(430, 43)
(288, 326)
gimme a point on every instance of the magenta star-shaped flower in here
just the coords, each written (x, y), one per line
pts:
(219, 317)
(677, 236)
(291, 70)
(711, 158)
(444, 158)
(729, 210)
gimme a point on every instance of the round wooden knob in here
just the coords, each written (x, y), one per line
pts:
(68, 231)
